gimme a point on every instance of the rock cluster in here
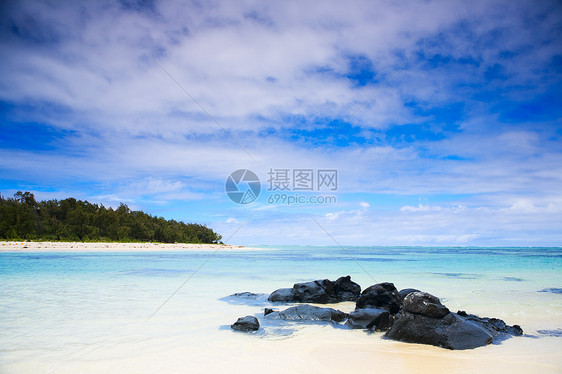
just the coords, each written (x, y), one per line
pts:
(322, 291)
(408, 315)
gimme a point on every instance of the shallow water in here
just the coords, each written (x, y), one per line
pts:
(89, 312)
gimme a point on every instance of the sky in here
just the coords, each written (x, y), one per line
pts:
(441, 119)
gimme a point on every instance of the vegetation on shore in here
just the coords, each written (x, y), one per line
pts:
(24, 218)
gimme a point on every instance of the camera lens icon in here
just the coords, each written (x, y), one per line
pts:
(242, 186)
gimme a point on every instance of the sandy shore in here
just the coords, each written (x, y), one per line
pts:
(13, 246)
(92, 313)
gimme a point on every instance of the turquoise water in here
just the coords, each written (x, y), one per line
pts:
(56, 307)
(434, 269)
(406, 266)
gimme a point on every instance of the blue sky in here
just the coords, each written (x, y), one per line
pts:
(442, 118)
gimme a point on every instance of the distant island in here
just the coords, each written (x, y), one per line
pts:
(24, 218)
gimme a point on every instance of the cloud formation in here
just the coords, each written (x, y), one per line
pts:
(154, 103)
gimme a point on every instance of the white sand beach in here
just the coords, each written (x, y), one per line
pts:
(118, 311)
(20, 246)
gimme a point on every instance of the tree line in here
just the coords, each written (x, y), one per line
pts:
(24, 218)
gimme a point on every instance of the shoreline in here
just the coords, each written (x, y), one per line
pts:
(87, 312)
(23, 247)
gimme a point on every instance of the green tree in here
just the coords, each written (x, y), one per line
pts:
(22, 217)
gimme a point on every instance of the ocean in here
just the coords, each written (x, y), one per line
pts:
(145, 312)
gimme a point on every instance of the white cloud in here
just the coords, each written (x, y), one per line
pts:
(420, 208)
(98, 63)
(268, 71)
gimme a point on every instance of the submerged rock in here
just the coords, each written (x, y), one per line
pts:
(380, 296)
(246, 295)
(552, 290)
(247, 298)
(246, 324)
(375, 319)
(309, 313)
(322, 291)
(555, 333)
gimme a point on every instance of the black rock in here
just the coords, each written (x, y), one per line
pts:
(424, 304)
(308, 312)
(246, 324)
(246, 295)
(451, 331)
(322, 291)
(380, 296)
(285, 295)
(247, 298)
(376, 319)
(515, 330)
(346, 290)
(423, 319)
(406, 291)
(495, 326)
(409, 315)
(313, 292)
